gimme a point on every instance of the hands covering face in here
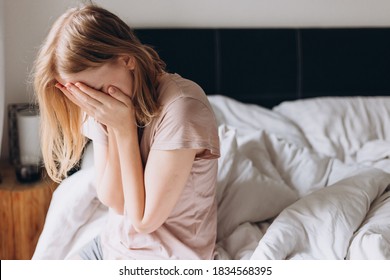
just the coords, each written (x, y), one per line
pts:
(114, 110)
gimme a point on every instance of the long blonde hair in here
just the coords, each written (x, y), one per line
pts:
(80, 39)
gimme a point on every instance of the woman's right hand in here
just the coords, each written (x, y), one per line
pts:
(68, 94)
(113, 109)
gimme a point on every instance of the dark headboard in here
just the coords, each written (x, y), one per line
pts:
(267, 66)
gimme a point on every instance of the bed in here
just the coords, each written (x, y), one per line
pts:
(303, 117)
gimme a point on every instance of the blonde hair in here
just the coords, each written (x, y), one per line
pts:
(80, 39)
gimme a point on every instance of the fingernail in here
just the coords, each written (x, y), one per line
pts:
(69, 86)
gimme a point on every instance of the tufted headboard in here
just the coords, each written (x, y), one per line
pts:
(268, 66)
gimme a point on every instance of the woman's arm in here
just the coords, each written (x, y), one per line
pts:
(108, 174)
(151, 195)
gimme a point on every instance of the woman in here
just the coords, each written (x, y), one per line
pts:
(154, 137)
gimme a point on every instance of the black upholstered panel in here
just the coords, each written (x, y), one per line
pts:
(188, 52)
(268, 66)
(259, 65)
(340, 62)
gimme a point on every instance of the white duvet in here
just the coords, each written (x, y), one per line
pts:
(306, 180)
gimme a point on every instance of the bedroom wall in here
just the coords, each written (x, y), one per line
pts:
(26, 22)
(2, 86)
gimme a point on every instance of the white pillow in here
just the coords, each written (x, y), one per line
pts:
(248, 117)
(339, 126)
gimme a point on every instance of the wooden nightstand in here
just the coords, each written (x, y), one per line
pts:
(23, 209)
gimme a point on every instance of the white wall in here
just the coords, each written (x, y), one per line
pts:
(27, 22)
(2, 77)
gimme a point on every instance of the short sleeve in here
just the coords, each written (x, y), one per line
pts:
(188, 123)
(94, 131)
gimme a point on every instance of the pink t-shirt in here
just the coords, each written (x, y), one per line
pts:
(186, 121)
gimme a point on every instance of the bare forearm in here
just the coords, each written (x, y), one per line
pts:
(132, 176)
(151, 194)
(109, 187)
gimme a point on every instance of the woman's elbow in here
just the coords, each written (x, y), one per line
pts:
(111, 203)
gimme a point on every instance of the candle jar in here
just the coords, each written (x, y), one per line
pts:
(25, 147)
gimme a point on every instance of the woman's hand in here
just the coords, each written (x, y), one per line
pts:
(114, 109)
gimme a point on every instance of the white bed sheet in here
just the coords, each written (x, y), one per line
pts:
(274, 177)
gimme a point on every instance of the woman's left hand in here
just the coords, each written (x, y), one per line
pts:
(112, 109)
